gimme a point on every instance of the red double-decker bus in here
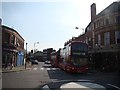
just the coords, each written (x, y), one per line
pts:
(74, 57)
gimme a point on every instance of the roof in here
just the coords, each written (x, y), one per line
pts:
(3, 26)
(112, 8)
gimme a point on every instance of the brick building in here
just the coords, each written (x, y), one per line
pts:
(103, 36)
(12, 47)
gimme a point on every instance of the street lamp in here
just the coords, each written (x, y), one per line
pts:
(83, 32)
(26, 55)
(26, 48)
(80, 28)
(35, 44)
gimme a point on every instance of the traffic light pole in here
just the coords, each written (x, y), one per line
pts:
(26, 56)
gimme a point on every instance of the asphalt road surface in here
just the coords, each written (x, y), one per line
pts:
(43, 73)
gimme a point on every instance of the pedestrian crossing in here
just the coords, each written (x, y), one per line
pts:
(42, 68)
(34, 68)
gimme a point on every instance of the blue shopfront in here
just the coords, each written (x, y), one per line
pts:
(20, 58)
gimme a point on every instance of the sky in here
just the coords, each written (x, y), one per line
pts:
(49, 22)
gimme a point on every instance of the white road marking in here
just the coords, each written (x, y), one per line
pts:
(48, 68)
(41, 68)
(54, 68)
(34, 68)
(114, 86)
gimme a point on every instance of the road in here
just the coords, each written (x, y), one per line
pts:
(44, 73)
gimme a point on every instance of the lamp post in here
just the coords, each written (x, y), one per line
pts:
(35, 44)
(83, 32)
(26, 48)
(26, 55)
(80, 28)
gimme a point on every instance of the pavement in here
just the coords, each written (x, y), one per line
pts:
(16, 69)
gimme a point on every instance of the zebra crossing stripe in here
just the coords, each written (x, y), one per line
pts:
(54, 68)
(48, 68)
(41, 68)
(34, 68)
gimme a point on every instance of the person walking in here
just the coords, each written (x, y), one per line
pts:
(10, 64)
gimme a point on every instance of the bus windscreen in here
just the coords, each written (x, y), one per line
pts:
(79, 47)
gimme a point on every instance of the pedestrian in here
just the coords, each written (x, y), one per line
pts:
(10, 64)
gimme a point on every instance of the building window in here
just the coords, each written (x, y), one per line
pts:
(107, 21)
(92, 26)
(117, 37)
(95, 26)
(7, 38)
(117, 19)
(89, 39)
(99, 39)
(107, 38)
(101, 22)
(98, 23)
(17, 43)
(12, 39)
(86, 41)
(111, 21)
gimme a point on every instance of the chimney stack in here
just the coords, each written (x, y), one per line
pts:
(93, 11)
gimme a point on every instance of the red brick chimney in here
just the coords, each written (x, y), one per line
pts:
(93, 11)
